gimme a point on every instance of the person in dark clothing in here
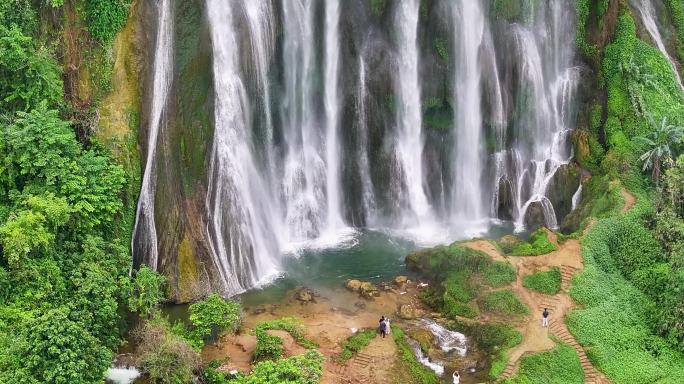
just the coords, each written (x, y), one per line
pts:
(545, 318)
(382, 328)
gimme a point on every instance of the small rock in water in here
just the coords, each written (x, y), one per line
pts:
(305, 295)
(354, 330)
(422, 285)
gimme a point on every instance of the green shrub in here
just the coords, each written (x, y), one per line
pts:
(503, 302)
(268, 346)
(306, 368)
(548, 282)
(211, 315)
(419, 373)
(356, 343)
(291, 326)
(106, 17)
(378, 7)
(538, 244)
(560, 365)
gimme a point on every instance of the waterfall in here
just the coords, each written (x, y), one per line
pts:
(259, 16)
(332, 107)
(437, 368)
(648, 15)
(577, 197)
(449, 341)
(304, 178)
(144, 239)
(409, 136)
(469, 23)
(241, 232)
(368, 197)
(548, 80)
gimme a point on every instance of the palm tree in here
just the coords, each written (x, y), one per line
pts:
(658, 143)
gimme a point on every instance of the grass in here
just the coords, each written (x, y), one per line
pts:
(503, 302)
(356, 343)
(419, 374)
(548, 282)
(561, 365)
(539, 244)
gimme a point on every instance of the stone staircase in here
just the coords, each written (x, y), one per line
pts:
(508, 372)
(566, 276)
(559, 329)
(360, 364)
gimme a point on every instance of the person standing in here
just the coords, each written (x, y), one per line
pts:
(545, 318)
(456, 377)
(383, 327)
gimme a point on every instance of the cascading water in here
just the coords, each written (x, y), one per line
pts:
(242, 237)
(548, 79)
(304, 178)
(368, 197)
(647, 11)
(259, 15)
(144, 239)
(409, 137)
(332, 107)
(577, 197)
(469, 22)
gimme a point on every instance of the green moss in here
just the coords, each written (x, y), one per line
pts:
(509, 10)
(503, 302)
(560, 365)
(187, 270)
(378, 7)
(548, 282)
(442, 50)
(440, 117)
(676, 8)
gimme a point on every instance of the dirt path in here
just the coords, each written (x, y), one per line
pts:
(536, 338)
(630, 200)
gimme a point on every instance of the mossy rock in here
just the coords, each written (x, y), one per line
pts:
(424, 338)
(509, 10)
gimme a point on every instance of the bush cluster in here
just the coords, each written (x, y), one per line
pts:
(548, 282)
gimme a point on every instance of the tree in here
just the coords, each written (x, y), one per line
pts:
(211, 314)
(146, 291)
(659, 144)
(27, 76)
(53, 349)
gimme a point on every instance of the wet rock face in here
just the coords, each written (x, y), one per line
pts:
(562, 187)
(534, 217)
(505, 200)
(409, 312)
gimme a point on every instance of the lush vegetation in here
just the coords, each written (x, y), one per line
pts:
(356, 343)
(271, 346)
(303, 369)
(547, 282)
(419, 374)
(560, 365)
(503, 302)
(460, 273)
(538, 244)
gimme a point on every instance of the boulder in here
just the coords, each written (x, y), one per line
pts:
(368, 290)
(505, 201)
(305, 295)
(562, 188)
(399, 281)
(424, 337)
(408, 312)
(534, 216)
(353, 285)
(509, 242)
